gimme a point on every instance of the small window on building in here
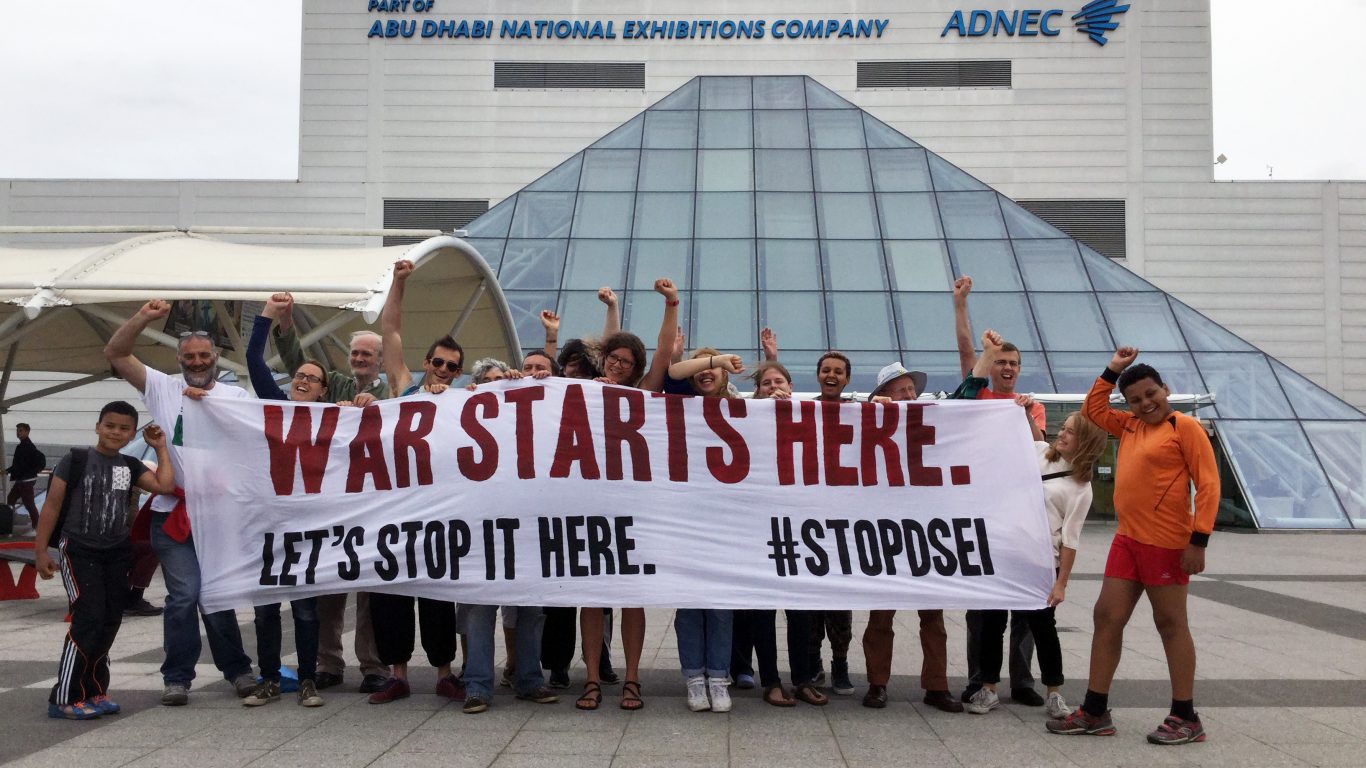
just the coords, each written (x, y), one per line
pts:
(935, 73)
(1097, 223)
(445, 215)
(542, 75)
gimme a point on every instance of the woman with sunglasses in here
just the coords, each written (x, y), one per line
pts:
(623, 364)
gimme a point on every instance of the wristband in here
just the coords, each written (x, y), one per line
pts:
(1109, 376)
(1199, 539)
(671, 302)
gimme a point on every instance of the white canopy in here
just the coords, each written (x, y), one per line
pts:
(58, 307)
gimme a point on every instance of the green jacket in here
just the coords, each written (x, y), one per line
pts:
(340, 387)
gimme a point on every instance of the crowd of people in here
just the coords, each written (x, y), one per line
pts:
(1165, 465)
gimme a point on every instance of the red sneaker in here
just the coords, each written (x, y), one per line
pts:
(1079, 723)
(395, 689)
(451, 687)
(1174, 730)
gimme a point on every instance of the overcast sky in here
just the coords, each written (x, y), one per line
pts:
(210, 89)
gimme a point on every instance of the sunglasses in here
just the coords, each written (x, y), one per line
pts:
(451, 365)
(201, 334)
(308, 377)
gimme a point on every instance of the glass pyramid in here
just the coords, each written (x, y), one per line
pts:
(773, 201)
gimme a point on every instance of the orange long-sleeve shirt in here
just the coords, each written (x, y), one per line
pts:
(1154, 471)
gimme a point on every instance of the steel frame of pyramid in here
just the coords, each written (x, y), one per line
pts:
(773, 201)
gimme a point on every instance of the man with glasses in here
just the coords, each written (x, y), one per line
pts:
(170, 531)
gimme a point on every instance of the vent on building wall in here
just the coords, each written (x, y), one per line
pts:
(938, 73)
(568, 74)
(1097, 223)
(444, 215)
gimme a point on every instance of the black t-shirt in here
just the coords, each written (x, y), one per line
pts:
(97, 506)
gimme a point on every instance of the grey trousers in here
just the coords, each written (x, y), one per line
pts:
(331, 612)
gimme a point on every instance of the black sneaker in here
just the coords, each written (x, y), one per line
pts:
(327, 680)
(608, 676)
(839, 677)
(142, 608)
(559, 678)
(265, 692)
(372, 683)
(969, 691)
(1026, 696)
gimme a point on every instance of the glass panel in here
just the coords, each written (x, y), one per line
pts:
(604, 214)
(724, 320)
(525, 307)
(1142, 320)
(798, 318)
(653, 259)
(788, 265)
(989, 263)
(607, 170)
(663, 214)
(683, 98)
(836, 129)
(1069, 321)
(1075, 372)
(786, 214)
(1205, 335)
(625, 137)
(666, 170)
(726, 93)
(1051, 265)
(926, 322)
(670, 130)
(971, 215)
(782, 170)
(781, 129)
(562, 178)
(490, 249)
(1284, 482)
(1309, 400)
(820, 97)
(581, 314)
(1341, 449)
(1034, 374)
(726, 128)
(900, 170)
(725, 214)
(882, 136)
(532, 264)
(948, 178)
(853, 265)
(495, 221)
(941, 369)
(543, 214)
(861, 320)
(1243, 385)
(726, 265)
(725, 170)
(595, 263)
(908, 215)
(918, 265)
(779, 93)
(643, 311)
(841, 170)
(847, 216)
(1024, 225)
(1106, 275)
(1005, 313)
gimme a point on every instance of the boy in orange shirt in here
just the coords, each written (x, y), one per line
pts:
(1158, 544)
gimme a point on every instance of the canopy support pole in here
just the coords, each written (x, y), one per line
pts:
(469, 308)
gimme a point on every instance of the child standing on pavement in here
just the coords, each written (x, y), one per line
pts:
(87, 507)
(1158, 546)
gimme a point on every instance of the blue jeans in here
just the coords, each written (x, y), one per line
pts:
(479, 627)
(180, 569)
(305, 613)
(704, 637)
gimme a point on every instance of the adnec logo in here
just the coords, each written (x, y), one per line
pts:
(1094, 20)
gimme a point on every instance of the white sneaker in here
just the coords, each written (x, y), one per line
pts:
(1056, 707)
(720, 696)
(697, 694)
(982, 702)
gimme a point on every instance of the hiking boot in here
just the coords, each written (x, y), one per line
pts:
(175, 695)
(265, 692)
(1174, 730)
(983, 701)
(308, 694)
(1081, 723)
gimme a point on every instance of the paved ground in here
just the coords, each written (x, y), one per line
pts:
(1280, 624)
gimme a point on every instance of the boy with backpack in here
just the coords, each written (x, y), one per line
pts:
(87, 508)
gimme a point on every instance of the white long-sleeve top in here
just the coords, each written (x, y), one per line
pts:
(1067, 501)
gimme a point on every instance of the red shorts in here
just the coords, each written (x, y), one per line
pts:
(1148, 565)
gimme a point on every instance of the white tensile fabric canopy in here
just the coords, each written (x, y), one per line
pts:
(58, 307)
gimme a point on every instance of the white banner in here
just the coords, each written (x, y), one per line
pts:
(572, 493)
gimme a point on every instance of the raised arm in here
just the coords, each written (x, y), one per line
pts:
(163, 480)
(768, 341)
(391, 323)
(262, 378)
(685, 369)
(962, 327)
(119, 350)
(287, 340)
(613, 322)
(551, 322)
(1097, 405)
(668, 332)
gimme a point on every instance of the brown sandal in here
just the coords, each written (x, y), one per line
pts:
(810, 695)
(782, 699)
(630, 696)
(591, 698)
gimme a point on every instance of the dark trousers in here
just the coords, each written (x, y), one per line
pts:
(755, 636)
(96, 583)
(268, 641)
(559, 638)
(836, 625)
(1045, 631)
(1021, 649)
(22, 491)
(800, 626)
(392, 616)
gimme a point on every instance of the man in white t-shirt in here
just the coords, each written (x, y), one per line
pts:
(164, 396)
